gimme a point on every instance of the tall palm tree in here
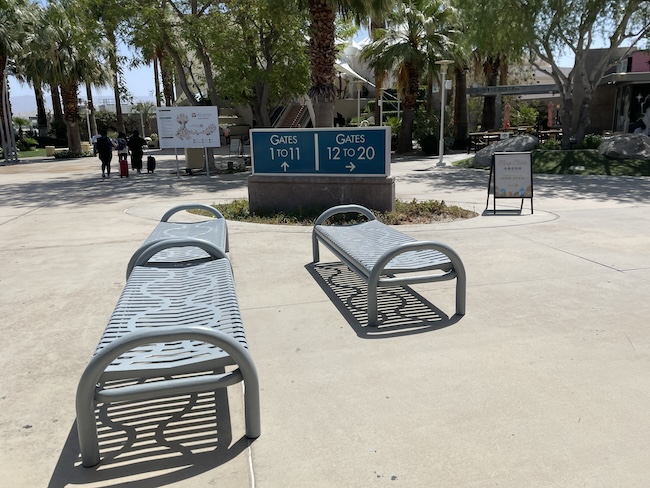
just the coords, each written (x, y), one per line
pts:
(417, 34)
(32, 63)
(72, 60)
(15, 17)
(322, 49)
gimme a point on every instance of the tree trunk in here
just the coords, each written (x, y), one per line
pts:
(405, 142)
(460, 108)
(491, 71)
(167, 78)
(69, 94)
(180, 72)
(56, 104)
(322, 52)
(261, 106)
(91, 107)
(112, 60)
(156, 81)
(41, 113)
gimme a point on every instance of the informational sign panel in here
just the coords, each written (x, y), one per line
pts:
(323, 151)
(188, 127)
(511, 176)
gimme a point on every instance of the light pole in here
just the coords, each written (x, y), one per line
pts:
(444, 64)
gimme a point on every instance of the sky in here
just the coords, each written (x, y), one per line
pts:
(140, 83)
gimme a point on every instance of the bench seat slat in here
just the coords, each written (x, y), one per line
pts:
(201, 295)
(213, 231)
(365, 243)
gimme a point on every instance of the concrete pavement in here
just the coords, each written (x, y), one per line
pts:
(543, 383)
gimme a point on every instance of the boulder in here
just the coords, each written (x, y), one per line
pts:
(523, 143)
(626, 146)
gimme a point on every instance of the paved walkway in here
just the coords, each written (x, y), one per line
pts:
(543, 383)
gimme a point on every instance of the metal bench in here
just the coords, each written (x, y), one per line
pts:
(213, 230)
(169, 321)
(383, 256)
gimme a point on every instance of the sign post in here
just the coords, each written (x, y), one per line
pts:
(511, 176)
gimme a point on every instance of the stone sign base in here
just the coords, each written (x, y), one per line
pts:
(290, 193)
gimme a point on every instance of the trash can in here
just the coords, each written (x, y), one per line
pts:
(85, 147)
(49, 150)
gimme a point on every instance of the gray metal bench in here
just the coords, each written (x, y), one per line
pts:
(169, 321)
(213, 230)
(383, 256)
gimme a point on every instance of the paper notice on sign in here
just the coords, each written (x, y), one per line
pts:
(187, 127)
(513, 175)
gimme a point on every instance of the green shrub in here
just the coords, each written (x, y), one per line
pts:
(395, 124)
(26, 144)
(523, 115)
(427, 131)
(551, 144)
(591, 141)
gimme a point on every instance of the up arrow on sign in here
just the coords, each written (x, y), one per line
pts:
(284, 166)
(351, 166)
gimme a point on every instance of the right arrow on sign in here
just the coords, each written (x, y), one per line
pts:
(351, 166)
(284, 166)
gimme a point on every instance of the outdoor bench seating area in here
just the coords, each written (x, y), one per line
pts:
(383, 256)
(176, 329)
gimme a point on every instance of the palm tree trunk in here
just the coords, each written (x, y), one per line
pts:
(461, 126)
(405, 143)
(41, 114)
(69, 93)
(323, 57)
(166, 77)
(91, 108)
(56, 104)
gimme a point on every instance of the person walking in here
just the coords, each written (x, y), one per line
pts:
(105, 151)
(136, 143)
(122, 148)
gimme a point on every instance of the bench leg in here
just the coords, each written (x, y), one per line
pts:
(372, 304)
(314, 248)
(461, 289)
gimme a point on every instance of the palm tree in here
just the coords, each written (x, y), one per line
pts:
(417, 33)
(15, 17)
(322, 49)
(72, 60)
(32, 63)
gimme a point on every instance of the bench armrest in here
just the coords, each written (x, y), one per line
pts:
(140, 258)
(191, 206)
(344, 209)
(458, 269)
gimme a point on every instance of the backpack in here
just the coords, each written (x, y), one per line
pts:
(121, 144)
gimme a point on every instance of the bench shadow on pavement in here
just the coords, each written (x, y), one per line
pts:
(153, 443)
(402, 311)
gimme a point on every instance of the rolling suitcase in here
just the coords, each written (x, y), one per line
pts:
(151, 164)
(124, 168)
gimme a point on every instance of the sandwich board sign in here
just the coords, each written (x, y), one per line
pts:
(511, 176)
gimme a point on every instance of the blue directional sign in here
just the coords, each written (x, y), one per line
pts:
(324, 151)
